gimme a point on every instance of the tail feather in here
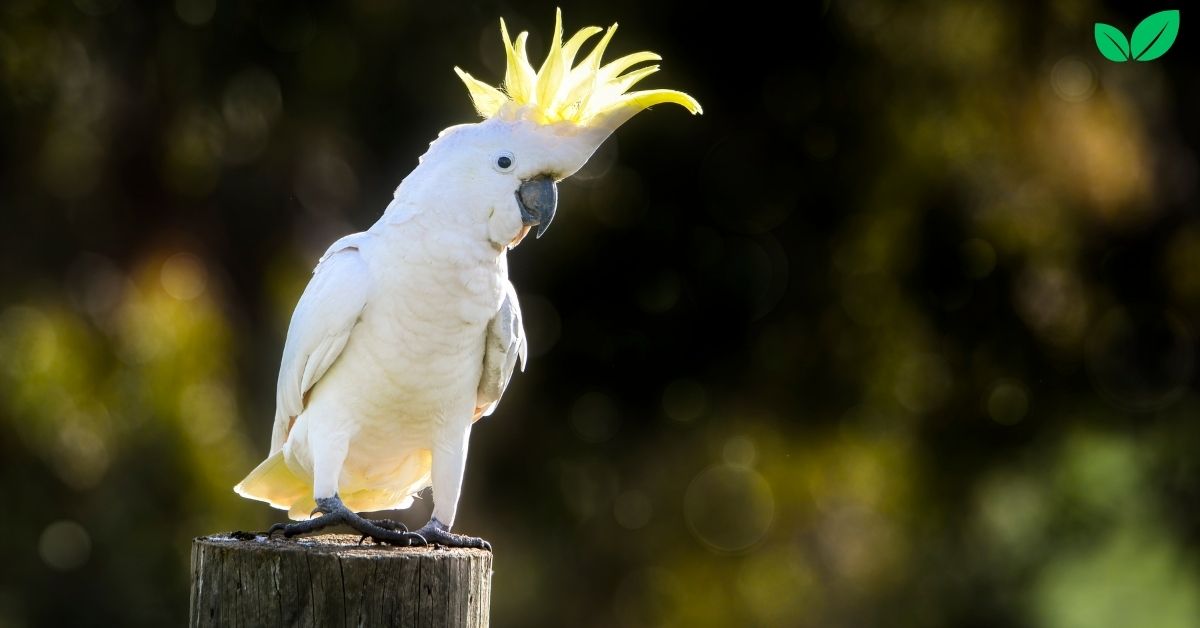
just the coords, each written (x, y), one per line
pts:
(273, 482)
(413, 475)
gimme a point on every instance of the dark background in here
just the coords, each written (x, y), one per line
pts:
(899, 332)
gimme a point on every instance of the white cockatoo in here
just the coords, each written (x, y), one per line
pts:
(409, 331)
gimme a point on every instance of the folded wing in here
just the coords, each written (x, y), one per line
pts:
(324, 318)
(505, 344)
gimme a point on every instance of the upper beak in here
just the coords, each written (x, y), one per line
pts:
(538, 198)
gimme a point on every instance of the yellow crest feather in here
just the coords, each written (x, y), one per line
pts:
(561, 91)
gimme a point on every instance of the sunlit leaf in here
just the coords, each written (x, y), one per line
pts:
(1112, 43)
(1155, 35)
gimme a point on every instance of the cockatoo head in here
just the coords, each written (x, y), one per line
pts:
(545, 124)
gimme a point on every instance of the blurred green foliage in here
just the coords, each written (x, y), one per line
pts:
(900, 332)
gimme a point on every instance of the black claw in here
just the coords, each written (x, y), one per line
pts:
(335, 512)
(388, 524)
(437, 532)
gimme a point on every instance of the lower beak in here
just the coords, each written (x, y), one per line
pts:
(520, 236)
(538, 198)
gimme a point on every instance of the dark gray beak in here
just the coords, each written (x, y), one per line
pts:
(538, 198)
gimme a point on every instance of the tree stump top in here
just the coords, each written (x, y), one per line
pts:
(331, 580)
(345, 545)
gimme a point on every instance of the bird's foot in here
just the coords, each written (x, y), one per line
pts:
(386, 524)
(333, 512)
(437, 532)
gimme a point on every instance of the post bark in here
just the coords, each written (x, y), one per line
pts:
(330, 580)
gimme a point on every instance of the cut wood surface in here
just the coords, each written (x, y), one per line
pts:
(330, 580)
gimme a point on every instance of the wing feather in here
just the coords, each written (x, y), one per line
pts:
(505, 346)
(321, 326)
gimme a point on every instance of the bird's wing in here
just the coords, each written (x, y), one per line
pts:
(505, 344)
(321, 325)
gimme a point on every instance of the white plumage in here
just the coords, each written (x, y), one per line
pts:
(405, 335)
(410, 331)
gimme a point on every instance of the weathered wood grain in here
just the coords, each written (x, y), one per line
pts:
(330, 580)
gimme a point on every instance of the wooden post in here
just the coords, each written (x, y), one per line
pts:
(330, 580)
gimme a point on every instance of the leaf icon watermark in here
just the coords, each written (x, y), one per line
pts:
(1152, 38)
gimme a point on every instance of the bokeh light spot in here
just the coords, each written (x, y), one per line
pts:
(96, 284)
(69, 164)
(1051, 300)
(330, 60)
(922, 383)
(1140, 359)
(739, 451)
(251, 103)
(64, 545)
(868, 298)
(728, 508)
(1136, 576)
(659, 291)
(1103, 474)
(195, 12)
(325, 182)
(208, 410)
(621, 201)
(979, 258)
(777, 585)
(587, 487)
(684, 400)
(632, 510)
(1073, 79)
(195, 143)
(81, 455)
(1007, 402)
(183, 276)
(28, 339)
(595, 417)
(1013, 512)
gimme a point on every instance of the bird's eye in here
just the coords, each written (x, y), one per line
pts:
(504, 162)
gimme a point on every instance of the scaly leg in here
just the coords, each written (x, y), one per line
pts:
(449, 462)
(327, 460)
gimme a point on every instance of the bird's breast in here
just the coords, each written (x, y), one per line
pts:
(425, 322)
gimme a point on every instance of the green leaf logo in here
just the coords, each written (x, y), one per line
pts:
(1112, 43)
(1152, 38)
